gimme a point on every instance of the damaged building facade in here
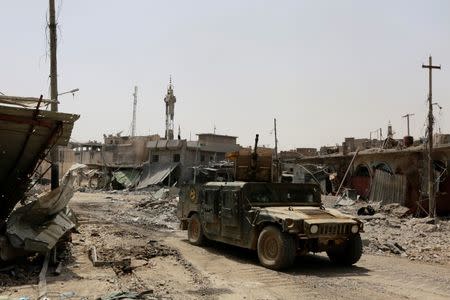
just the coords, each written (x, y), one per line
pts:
(142, 161)
(179, 156)
(395, 175)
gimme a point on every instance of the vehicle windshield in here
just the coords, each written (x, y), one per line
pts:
(280, 193)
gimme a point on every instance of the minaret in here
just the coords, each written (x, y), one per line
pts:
(170, 100)
(390, 132)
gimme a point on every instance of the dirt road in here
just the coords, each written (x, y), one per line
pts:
(314, 277)
(164, 263)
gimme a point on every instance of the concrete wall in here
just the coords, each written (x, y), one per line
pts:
(214, 138)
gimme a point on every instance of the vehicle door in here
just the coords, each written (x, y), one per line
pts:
(210, 211)
(230, 214)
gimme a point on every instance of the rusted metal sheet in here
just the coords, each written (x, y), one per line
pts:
(362, 185)
(388, 188)
(38, 226)
(155, 173)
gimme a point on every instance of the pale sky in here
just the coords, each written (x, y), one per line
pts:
(325, 69)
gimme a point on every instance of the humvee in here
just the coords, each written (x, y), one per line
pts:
(279, 220)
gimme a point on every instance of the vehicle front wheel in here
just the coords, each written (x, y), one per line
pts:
(195, 231)
(349, 253)
(276, 249)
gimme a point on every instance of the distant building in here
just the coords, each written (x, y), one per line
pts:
(127, 150)
(307, 151)
(209, 147)
(177, 156)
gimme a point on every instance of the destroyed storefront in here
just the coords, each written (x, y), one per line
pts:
(393, 176)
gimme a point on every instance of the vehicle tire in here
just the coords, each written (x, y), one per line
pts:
(349, 253)
(276, 249)
(195, 231)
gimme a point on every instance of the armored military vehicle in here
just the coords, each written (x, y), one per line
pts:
(279, 220)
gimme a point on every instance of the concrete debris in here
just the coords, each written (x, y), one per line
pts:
(391, 230)
(160, 208)
(124, 263)
(396, 210)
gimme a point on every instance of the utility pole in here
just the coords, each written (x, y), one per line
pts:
(277, 164)
(53, 91)
(432, 200)
(407, 121)
(133, 122)
(276, 140)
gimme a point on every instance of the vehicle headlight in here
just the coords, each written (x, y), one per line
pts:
(314, 229)
(289, 223)
(355, 228)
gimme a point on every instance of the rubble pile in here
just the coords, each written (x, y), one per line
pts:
(414, 238)
(160, 207)
(391, 230)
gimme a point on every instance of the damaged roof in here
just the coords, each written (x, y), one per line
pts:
(25, 136)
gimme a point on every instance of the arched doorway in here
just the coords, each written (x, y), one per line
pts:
(361, 180)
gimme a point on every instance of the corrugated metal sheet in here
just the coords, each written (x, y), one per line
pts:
(388, 188)
(25, 134)
(155, 173)
(39, 225)
(127, 178)
(24, 101)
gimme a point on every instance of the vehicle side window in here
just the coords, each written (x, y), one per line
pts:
(260, 194)
(211, 200)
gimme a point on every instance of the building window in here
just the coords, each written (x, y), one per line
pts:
(155, 158)
(176, 158)
(202, 157)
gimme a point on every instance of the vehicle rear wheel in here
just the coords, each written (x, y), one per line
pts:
(195, 231)
(349, 253)
(276, 249)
